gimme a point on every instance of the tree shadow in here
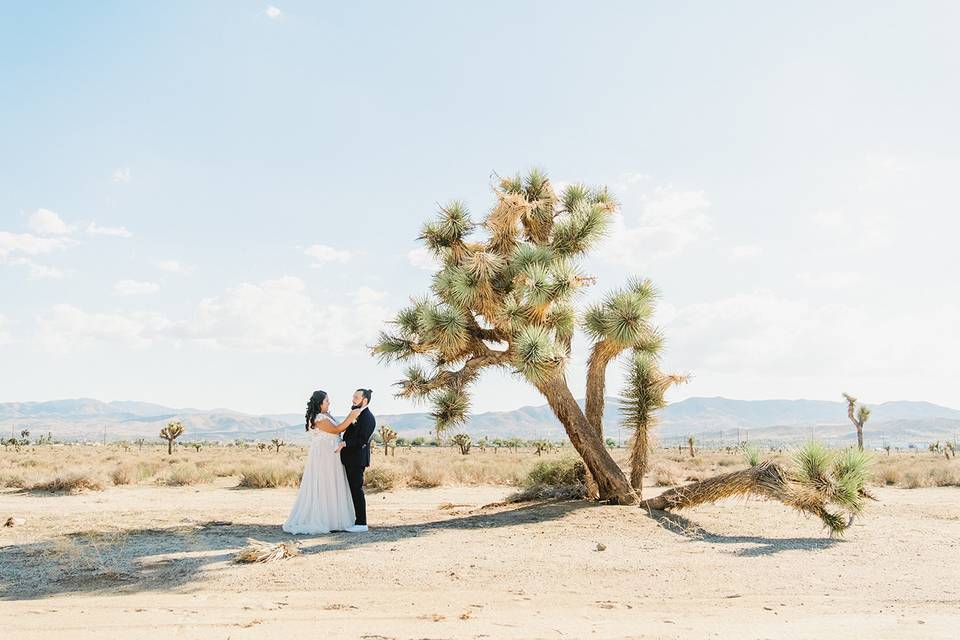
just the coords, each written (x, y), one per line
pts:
(164, 558)
(762, 545)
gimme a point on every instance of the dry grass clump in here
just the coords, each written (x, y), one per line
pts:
(70, 482)
(259, 551)
(915, 471)
(380, 479)
(124, 474)
(264, 475)
(13, 480)
(425, 475)
(187, 474)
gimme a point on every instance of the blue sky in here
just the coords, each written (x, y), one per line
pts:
(216, 203)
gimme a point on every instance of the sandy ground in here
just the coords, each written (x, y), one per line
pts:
(156, 562)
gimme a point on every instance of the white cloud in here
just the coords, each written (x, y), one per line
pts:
(67, 328)
(856, 231)
(47, 223)
(322, 254)
(174, 266)
(122, 175)
(423, 258)
(280, 315)
(135, 288)
(28, 244)
(671, 220)
(746, 251)
(120, 232)
(272, 12)
(366, 295)
(833, 280)
(769, 335)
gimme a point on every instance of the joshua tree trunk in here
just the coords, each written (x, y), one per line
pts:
(612, 484)
(169, 447)
(601, 355)
(639, 455)
(859, 436)
(765, 479)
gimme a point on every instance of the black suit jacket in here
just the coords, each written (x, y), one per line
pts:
(356, 453)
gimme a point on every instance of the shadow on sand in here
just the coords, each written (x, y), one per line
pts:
(162, 559)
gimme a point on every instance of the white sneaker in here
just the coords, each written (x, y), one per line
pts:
(358, 528)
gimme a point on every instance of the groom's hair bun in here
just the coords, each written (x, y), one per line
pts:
(367, 393)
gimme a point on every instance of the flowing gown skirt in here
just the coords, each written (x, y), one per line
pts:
(323, 502)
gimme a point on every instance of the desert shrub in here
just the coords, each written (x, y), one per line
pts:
(12, 480)
(187, 474)
(424, 475)
(664, 475)
(269, 475)
(380, 479)
(123, 474)
(73, 482)
(561, 478)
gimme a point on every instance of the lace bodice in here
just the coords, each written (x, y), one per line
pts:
(321, 435)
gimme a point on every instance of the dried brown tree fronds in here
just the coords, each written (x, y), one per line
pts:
(259, 551)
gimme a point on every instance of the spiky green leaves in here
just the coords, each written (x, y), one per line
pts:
(644, 390)
(575, 232)
(415, 384)
(863, 413)
(623, 318)
(390, 347)
(450, 408)
(445, 328)
(537, 356)
(832, 478)
(450, 228)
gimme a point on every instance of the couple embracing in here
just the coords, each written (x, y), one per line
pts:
(331, 491)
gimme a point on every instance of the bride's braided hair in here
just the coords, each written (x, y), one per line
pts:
(313, 406)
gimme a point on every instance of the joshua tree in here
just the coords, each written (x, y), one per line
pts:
(690, 442)
(949, 449)
(858, 416)
(197, 446)
(389, 437)
(542, 446)
(505, 300)
(261, 446)
(277, 442)
(483, 443)
(643, 396)
(819, 481)
(462, 440)
(171, 432)
(139, 442)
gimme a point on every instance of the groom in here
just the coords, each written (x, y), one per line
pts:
(355, 455)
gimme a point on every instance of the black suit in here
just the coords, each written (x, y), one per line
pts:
(355, 457)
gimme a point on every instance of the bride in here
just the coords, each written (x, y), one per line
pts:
(323, 502)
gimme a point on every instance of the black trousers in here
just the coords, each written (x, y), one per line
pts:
(355, 480)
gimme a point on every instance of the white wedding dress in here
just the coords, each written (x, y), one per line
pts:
(323, 502)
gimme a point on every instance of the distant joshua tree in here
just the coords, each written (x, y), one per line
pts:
(389, 437)
(139, 442)
(690, 442)
(542, 446)
(261, 446)
(858, 416)
(197, 446)
(170, 433)
(277, 442)
(462, 440)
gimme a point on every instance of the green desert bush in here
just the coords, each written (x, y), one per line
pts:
(563, 478)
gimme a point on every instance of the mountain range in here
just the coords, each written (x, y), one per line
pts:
(711, 420)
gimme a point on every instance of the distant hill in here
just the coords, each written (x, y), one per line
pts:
(712, 420)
